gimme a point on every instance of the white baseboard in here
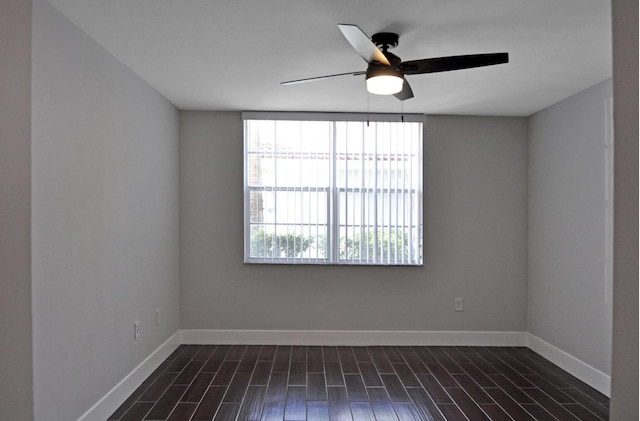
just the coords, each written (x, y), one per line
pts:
(591, 376)
(348, 337)
(120, 392)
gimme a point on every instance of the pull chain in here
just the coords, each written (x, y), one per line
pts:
(368, 108)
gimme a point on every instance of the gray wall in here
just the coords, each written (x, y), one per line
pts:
(15, 222)
(570, 298)
(104, 218)
(624, 385)
(475, 202)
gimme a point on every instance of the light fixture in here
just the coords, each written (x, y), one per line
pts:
(383, 79)
(384, 85)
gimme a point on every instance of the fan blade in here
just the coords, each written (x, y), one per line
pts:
(444, 64)
(311, 79)
(405, 93)
(362, 44)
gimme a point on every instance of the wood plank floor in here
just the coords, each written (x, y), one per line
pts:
(383, 383)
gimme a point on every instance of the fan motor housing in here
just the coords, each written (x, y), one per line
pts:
(379, 69)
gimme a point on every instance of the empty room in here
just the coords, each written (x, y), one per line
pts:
(299, 210)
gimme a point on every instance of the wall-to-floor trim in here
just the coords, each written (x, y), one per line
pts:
(583, 371)
(120, 392)
(352, 337)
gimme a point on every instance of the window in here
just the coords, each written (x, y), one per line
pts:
(332, 189)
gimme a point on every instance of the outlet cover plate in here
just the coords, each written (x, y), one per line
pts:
(457, 304)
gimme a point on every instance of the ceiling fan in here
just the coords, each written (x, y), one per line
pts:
(385, 74)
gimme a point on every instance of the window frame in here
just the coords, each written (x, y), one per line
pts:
(332, 190)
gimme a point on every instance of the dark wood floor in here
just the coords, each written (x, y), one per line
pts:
(238, 382)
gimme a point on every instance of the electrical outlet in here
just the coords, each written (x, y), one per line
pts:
(136, 329)
(158, 317)
(457, 304)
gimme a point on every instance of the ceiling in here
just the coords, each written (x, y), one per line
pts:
(232, 55)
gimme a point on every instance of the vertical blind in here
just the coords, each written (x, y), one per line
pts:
(333, 192)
